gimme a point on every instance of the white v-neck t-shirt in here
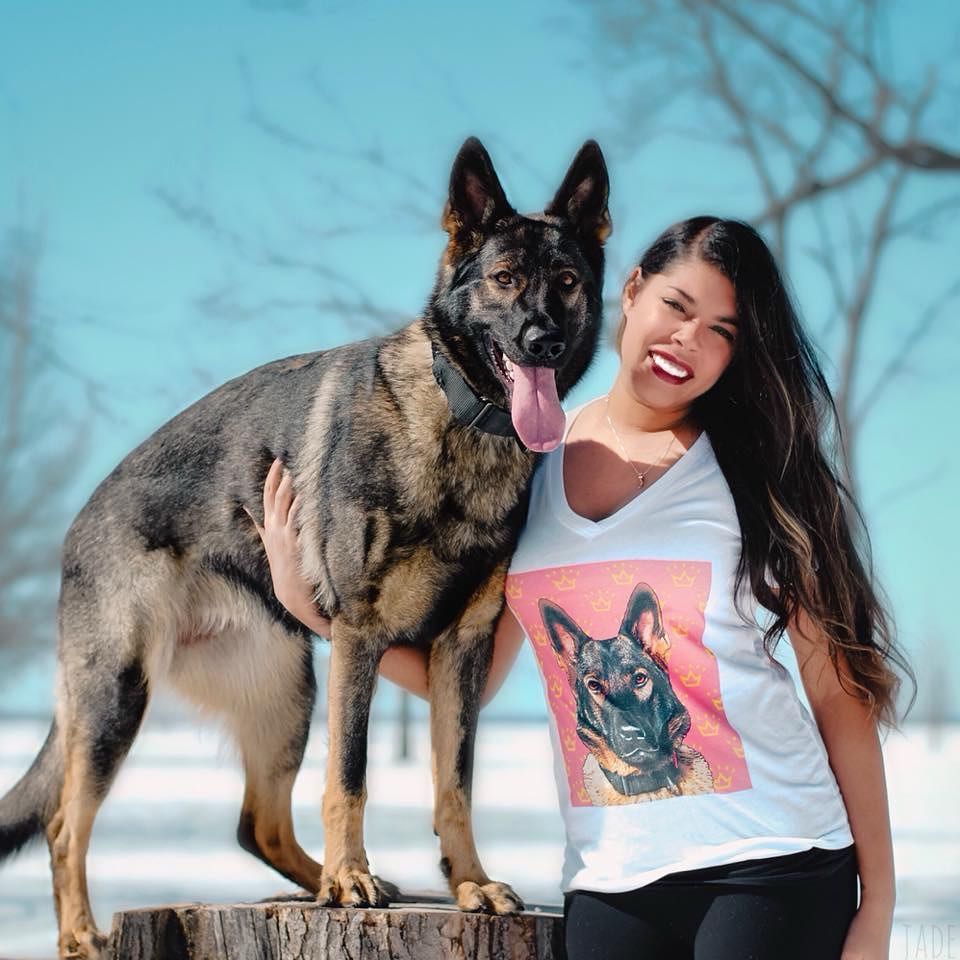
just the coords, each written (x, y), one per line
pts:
(750, 777)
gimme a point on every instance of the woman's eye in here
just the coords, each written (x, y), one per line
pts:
(724, 332)
(503, 277)
(568, 280)
(675, 305)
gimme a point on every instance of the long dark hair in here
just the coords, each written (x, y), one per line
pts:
(773, 425)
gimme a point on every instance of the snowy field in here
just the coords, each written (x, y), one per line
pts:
(166, 832)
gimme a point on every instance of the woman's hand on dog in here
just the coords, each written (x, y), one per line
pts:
(281, 540)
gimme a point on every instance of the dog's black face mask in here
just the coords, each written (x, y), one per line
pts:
(518, 300)
(627, 712)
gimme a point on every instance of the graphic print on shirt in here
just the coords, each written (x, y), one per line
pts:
(633, 690)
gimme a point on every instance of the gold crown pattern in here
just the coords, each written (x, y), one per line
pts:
(600, 600)
(692, 677)
(708, 727)
(539, 636)
(722, 781)
(620, 575)
(514, 589)
(564, 579)
(556, 688)
(680, 626)
(569, 741)
(683, 577)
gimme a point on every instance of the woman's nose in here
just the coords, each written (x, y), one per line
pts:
(686, 333)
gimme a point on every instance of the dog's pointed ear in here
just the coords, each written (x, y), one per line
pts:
(476, 199)
(642, 620)
(567, 638)
(582, 197)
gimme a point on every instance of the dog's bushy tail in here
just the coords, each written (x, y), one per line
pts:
(31, 803)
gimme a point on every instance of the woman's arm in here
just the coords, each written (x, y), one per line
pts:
(405, 666)
(853, 747)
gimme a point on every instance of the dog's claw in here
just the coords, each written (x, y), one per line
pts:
(490, 897)
(352, 888)
(88, 944)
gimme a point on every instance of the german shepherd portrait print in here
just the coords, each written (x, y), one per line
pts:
(633, 690)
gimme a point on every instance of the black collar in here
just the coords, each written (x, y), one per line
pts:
(636, 783)
(466, 406)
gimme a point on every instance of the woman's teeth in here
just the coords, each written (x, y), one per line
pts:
(664, 364)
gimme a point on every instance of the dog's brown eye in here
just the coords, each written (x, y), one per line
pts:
(503, 277)
(640, 679)
(568, 280)
(594, 686)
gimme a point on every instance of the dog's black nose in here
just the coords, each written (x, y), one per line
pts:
(540, 344)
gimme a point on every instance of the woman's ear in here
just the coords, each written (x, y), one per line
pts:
(631, 289)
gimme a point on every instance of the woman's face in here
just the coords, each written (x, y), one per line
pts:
(680, 333)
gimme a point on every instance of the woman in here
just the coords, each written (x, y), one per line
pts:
(689, 519)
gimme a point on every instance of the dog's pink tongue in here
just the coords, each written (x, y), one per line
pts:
(535, 407)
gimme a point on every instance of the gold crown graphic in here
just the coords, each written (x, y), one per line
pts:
(569, 741)
(600, 601)
(683, 579)
(722, 781)
(556, 688)
(680, 627)
(564, 581)
(691, 678)
(736, 748)
(708, 727)
(717, 702)
(621, 575)
(514, 590)
(539, 636)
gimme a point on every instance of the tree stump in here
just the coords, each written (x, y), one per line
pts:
(298, 929)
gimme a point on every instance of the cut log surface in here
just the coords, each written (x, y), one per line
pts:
(301, 930)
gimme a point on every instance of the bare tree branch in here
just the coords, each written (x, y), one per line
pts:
(898, 358)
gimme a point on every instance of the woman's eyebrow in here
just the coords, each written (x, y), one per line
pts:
(686, 296)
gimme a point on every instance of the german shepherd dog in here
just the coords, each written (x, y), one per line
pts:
(411, 455)
(627, 712)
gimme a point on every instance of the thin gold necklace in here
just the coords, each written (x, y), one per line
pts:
(626, 456)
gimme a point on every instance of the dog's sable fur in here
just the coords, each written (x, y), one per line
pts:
(408, 520)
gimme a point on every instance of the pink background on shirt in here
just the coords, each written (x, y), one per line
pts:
(595, 595)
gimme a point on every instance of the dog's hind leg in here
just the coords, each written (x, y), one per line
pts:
(99, 716)
(459, 663)
(346, 876)
(272, 753)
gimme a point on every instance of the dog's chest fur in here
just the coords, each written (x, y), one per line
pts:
(434, 509)
(694, 778)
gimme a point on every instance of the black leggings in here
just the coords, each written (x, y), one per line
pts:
(677, 920)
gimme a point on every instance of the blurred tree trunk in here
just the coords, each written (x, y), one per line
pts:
(41, 447)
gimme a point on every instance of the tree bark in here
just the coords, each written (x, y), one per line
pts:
(284, 930)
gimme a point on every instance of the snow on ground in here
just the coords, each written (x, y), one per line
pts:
(166, 832)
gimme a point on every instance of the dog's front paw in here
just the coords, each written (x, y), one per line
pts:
(83, 944)
(352, 887)
(489, 897)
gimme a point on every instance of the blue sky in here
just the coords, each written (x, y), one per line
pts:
(270, 118)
